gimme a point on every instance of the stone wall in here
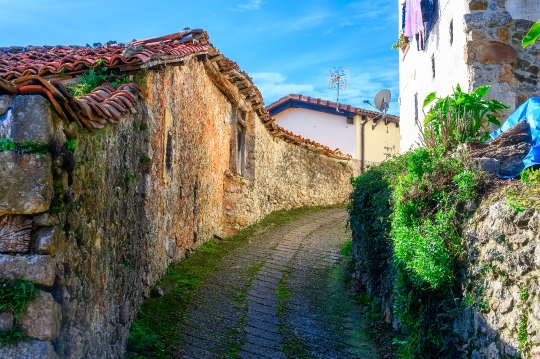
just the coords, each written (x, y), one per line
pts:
(501, 282)
(493, 53)
(96, 227)
(499, 277)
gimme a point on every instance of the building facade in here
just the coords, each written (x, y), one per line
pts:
(351, 129)
(470, 43)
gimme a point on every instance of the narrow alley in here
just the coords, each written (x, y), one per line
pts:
(281, 296)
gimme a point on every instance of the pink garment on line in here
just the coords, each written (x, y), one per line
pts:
(413, 18)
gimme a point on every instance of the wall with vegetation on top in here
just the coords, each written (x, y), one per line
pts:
(451, 256)
(90, 221)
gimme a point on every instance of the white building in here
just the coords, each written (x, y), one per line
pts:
(351, 129)
(471, 43)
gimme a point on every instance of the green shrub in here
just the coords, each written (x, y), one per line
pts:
(406, 211)
(460, 117)
(369, 219)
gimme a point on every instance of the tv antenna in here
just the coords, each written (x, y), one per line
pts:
(338, 81)
(381, 103)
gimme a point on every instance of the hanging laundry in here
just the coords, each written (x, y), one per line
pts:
(403, 15)
(430, 14)
(413, 18)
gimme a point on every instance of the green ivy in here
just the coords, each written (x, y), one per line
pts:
(406, 211)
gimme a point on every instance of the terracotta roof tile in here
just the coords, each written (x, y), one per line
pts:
(34, 69)
(19, 61)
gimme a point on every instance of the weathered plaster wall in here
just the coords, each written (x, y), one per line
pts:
(102, 223)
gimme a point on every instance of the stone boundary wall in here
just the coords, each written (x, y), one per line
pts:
(501, 281)
(99, 225)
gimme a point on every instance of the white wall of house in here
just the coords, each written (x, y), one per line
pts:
(415, 68)
(329, 130)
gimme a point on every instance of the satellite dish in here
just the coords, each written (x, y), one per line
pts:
(382, 100)
(382, 103)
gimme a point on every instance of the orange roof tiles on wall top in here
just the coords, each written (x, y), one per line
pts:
(19, 61)
(33, 69)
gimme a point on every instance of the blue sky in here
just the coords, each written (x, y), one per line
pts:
(287, 46)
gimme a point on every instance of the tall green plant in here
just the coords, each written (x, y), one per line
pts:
(460, 117)
(532, 35)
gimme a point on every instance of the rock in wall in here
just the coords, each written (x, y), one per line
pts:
(95, 228)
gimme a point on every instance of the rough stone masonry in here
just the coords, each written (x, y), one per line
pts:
(95, 227)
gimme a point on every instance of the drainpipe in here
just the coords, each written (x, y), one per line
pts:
(362, 144)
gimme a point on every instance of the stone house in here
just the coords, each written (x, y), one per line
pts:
(101, 192)
(471, 43)
(318, 120)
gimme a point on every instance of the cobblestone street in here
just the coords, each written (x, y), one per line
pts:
(281, 296)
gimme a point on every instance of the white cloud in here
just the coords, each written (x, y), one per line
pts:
(251, 5)
(273, 86)
(361, 86)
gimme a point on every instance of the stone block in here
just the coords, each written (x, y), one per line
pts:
(535, 353)
(32, 119)
(35, 268)
(46, 240)
(503, 33)
(45, 220)
(481, 20)
(6, 320)
(27, 183)
(489, 165)
(536, 309)
(491, 52)
(15, 234)
(31, 349)
(5, 104)
(477, 5)
(42, 318)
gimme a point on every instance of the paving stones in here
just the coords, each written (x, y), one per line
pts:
(281, 296)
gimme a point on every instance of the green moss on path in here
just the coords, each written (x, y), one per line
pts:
(156, 332)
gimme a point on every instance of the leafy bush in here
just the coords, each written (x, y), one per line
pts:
(369, 219)
(406, 210)
(460, 117)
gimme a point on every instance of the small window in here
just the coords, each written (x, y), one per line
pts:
(169, 151)
(241, 149)
(433, 66)
(350, 121)
(451, 32)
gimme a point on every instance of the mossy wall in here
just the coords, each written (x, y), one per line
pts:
(133, 197)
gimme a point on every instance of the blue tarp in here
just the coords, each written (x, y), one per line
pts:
(530, 112)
